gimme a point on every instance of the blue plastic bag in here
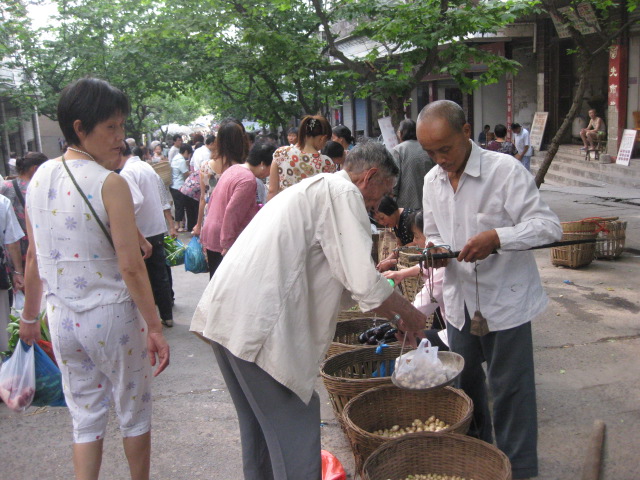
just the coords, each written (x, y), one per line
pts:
(194, 259)
(386, 367)
(48, 381)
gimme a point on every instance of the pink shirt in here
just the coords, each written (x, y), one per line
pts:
(232, 205)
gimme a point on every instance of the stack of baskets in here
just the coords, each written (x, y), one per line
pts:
(448, 454)
(580, 255)
(386, 406)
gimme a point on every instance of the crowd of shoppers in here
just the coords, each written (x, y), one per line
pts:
(306, 236)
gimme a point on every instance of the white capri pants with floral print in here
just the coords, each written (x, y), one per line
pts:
(102, 354)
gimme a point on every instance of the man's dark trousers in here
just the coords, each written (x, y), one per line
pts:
(159, 277)
(509, 357)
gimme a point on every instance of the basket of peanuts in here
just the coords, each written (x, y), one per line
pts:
(429, 456)
(383, 413)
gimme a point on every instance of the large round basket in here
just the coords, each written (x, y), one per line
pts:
(410, 286)
(612, 238)
(384, 407)
(448, 454)
(347, 374)
(575, 256)
(348, 331)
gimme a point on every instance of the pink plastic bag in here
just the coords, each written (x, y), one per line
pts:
(331, 467)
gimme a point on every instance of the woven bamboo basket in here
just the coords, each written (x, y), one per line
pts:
(613, 237)
(163, 169)
(387, 242)
(384, 407)
(575, 256)
(347, 374)
(448, 454)
(410, 286)
(349, 314)
(348, 331)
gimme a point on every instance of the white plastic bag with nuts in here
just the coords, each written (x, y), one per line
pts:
(420, 368)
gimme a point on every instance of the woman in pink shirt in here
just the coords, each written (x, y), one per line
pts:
(233, 202)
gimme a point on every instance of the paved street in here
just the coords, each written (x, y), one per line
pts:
(587, 368)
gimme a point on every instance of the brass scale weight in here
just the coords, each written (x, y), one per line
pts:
(426, 257)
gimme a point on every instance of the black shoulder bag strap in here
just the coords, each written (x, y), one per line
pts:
(84, 197)
(18, 192)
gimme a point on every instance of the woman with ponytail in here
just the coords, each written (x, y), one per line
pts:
(296, 162)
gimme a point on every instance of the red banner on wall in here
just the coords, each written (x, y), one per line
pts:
(618, 82)
(614, 76)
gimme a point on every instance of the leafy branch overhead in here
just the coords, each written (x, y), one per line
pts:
(267, 60)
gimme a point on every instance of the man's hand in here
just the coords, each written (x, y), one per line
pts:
(479, 246)
(386, 264)
(413, 338)
(443, 262)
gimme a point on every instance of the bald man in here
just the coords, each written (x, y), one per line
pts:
(478, 201)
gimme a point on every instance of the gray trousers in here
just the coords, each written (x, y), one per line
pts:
(510, 375)
(280, 434)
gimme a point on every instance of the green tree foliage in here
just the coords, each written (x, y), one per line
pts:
(262, 60)
(163, 109)
(115, 40)
(265, 60)
(412, 39)
(15, 37)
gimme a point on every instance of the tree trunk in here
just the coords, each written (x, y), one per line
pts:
(585, 61)
(397, 110)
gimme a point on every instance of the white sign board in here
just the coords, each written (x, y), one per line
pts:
(626, 146)
(388, 133)
(537, 129)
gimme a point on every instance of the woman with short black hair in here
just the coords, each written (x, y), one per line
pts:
(390, 215)
(84, 257)
(16, 191)
(501, 144)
